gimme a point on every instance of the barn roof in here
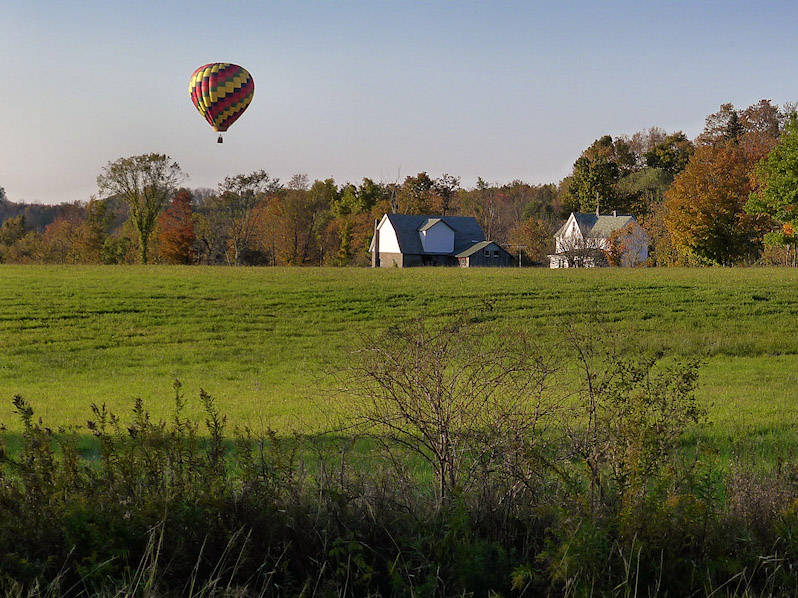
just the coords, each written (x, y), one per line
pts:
(479, 247)
(430, 223)
(407, 226)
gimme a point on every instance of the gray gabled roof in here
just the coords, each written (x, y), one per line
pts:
(430, 223)
(407, 226)
(479, 247)
(598, 227)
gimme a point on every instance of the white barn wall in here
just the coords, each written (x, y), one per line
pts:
(389, 243)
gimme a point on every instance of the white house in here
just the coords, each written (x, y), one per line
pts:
(586, 240)
(405, 240)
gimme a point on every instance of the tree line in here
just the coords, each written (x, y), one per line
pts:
(729, 196)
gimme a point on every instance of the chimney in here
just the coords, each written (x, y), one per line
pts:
(597, 204)
(375, 257)
(615, 212)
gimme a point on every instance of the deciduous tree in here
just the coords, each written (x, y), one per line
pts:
(12, 230)
(597, 171)
(482, 204)
(78, 234)
(704, 207)
(238, 201)
(534, 239)
(644, 141)
(145, 183)
(445, 190)
(776, 189)
(643, 189)
(59, 239)
(297, 218)
(176, 233)
(416, 195)
(92, 233)
(626, 246)
(671, 154)
(755, 129)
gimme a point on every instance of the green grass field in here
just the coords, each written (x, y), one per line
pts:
(267, 342)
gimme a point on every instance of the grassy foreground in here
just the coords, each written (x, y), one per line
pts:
(267, 342)
(609, 499)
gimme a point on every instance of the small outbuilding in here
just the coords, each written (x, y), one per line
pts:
(485, 254)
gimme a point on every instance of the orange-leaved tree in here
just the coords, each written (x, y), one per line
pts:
(534, 238)
(176, 234)
(704, 208)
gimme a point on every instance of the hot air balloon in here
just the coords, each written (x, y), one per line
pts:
(221, 91)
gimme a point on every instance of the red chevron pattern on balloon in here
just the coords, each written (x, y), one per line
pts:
(221, 91)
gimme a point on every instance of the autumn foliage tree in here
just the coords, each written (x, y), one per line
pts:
(502, 209)
(240, 203)
(626, 246)
(145, 183)
(533, 238)
(671, 154)
(417, 195)
(297, 218)
(775, 192)
(17, 242)
(349, 232)
(704, 208)
(78, 234)
(705, 211)
(60, 236)
(176, 234)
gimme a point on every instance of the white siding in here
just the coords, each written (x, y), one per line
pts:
(438, 239)
(571, 231)
(388, 241)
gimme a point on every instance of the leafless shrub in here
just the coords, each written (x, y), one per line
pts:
(469, 405)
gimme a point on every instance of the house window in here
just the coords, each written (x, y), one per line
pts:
(495, 254)
(487, 253)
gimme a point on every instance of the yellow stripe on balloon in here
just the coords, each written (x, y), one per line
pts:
(208, 88)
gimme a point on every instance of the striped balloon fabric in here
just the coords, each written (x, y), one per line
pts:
(221, 92)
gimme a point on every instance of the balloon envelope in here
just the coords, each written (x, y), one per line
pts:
(221, 91)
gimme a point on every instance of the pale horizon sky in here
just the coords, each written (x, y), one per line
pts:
(503, 90)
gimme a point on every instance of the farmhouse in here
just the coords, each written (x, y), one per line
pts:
(589, 240)
(405, 240)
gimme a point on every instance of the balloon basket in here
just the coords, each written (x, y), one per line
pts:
(220, 140)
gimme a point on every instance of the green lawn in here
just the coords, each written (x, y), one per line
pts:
(266, 342)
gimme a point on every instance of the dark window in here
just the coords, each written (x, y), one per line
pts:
(496, 253)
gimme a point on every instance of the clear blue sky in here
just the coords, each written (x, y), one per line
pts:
(502, 90)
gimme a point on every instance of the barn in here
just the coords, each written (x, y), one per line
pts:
(408, 240)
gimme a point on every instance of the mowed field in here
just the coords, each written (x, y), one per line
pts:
(267, 342)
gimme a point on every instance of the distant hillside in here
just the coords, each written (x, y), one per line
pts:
(37, 216)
